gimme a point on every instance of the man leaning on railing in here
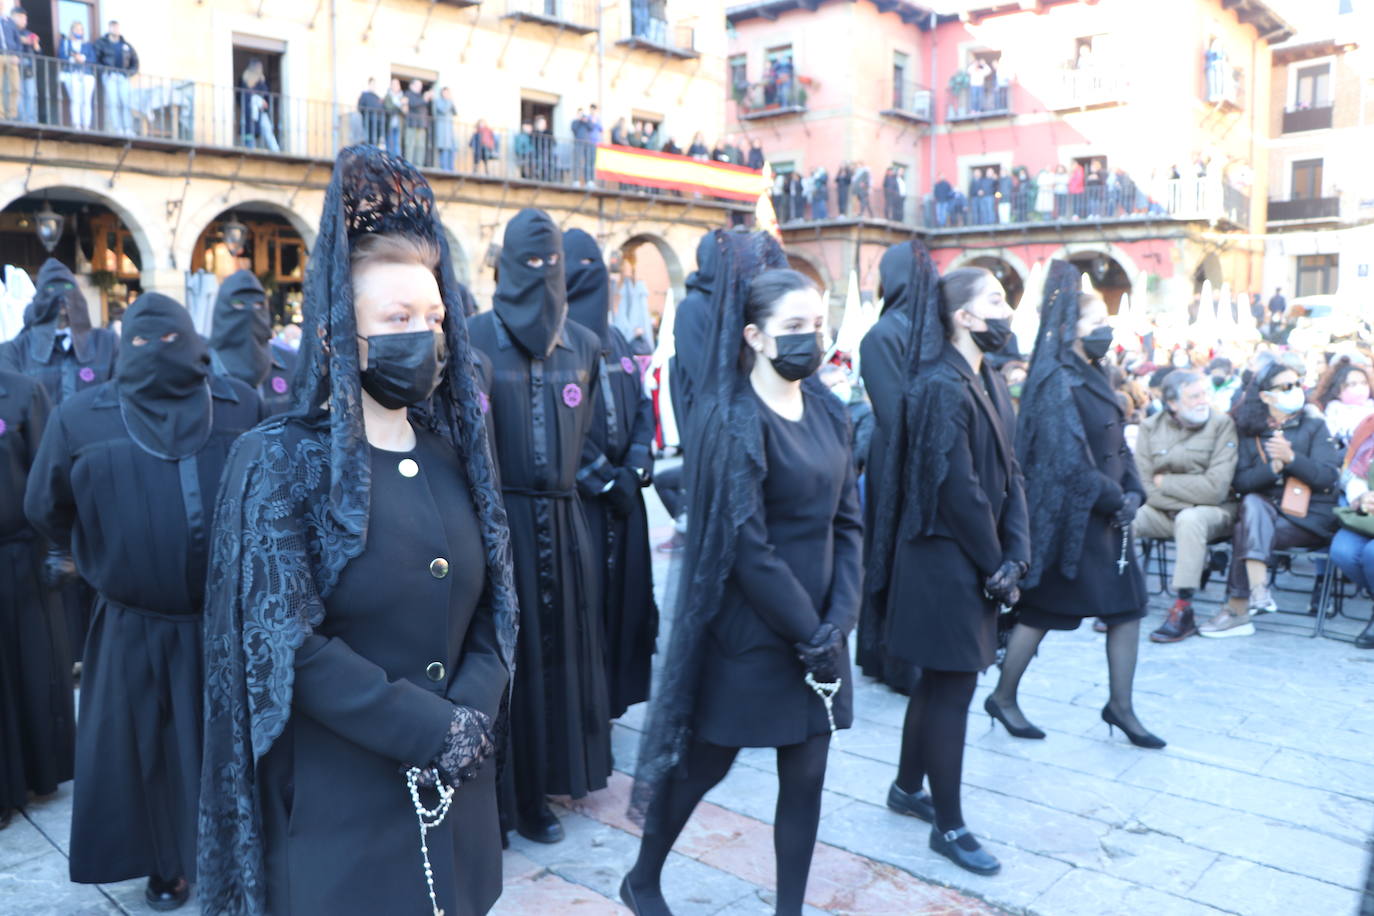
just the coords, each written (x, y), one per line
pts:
(119, 61)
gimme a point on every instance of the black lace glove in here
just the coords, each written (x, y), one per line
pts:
(821, 654)
(469, 742)
(58, 568)
(1002, 586)
(1130, 505)
(622, 493)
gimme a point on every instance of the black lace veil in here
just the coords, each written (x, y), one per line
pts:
(293, 510)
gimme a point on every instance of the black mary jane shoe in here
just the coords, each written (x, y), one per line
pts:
(164, 896)
(979, 860)
(912, 804)
(541, 826)
(1016, 731)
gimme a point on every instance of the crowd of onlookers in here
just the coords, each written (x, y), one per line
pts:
(80, 83)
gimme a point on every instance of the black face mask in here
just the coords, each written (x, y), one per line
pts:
(799, 355)
(1097, 343)
(403, 369)
(995, 337)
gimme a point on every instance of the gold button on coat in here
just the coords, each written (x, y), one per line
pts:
(438, 568)
(435, 671)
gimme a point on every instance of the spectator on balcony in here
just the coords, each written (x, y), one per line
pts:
(944, 196)
(1042, 201)
(78, 56)
(719, 152)
(796, 197)
(1006, 190)
(584, 149)
(890, 193)
(542, 138)
(484, 147)
(698, 149)
(844, 178)
(785, 76)
(671, 148)
(120, 62)
(417, 124)
(1077, 185)
(978, 72)
(1094, 189)
(779, 196)
(1277, 305)
(523, 150)
(445, 137)
(1216, 70)
(820, 193)
(756, 157)
(27, 46)
(863, 184)
(373, 114)
(255, 108)
(618, 133)
(1023, 194)
(395, 106)
(10, 70)
(982, 192)
(1059, 183)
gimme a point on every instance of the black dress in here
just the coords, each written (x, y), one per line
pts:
(37, 724)
(797, 565)
(406, 635)
(541, 410)
(938, 615)
(1101, 588)
(622, 431)
(137, 527)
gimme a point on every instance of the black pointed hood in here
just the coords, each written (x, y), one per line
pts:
(703, 279)
(162, 377)
(241, 332)
(589, 289)
(55, 299)
(532, 302)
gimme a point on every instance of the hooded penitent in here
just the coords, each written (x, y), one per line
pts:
(57, 304)
(532, 301)
(589, 292)
(162, 377)
(294, 507)
(691, 326)
(241, 336)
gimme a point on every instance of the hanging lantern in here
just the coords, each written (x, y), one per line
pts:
(235, 236)
(48, 226)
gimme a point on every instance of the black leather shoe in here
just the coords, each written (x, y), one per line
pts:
(995, 711)
(913, 804)
(1139, 739)
(541, 826)
(1366, 639)
(167, 895)
(979, 860)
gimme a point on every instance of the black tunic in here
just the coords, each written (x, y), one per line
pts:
(796, 566)
(37, 724)
(938, 615)
(622, 432)
(374, 691)
(542, 410)
(275, 391)
(1100, 588)
(137, 526)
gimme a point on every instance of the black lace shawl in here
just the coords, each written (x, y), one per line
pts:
(1050, 441)
(917, 455)
(293, 510)
(726, 471)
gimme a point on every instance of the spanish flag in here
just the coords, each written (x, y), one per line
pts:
(650, 169)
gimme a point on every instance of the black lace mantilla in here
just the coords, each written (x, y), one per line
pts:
(293, 510)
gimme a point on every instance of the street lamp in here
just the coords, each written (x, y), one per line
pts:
(48, 226)
(235, 236)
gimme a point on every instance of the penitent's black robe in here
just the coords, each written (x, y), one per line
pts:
(138, 528)
(37, 721)
(622, 433)
(541, 410)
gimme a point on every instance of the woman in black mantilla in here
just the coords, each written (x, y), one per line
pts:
(1082, 491)
(951, 539)
(360, 618)
(623, 432)
(771, 582)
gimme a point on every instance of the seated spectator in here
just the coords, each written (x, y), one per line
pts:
(1225, 383)
(1014, 374)
(1352, 549)
(1342, 394)
(1186, 456)
(856, 403)
(1286, 478)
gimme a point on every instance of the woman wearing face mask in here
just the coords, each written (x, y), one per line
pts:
(1083, 492)
(1281, 440)
(771, 582)
(360, 619)
(1342, 393)
(1014, 374)
(954, 544)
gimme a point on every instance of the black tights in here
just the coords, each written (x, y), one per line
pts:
(933, 741)
(801, 774)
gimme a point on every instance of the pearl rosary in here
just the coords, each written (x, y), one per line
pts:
(826, 691)
(429, 818)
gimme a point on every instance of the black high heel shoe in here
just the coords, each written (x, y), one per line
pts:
(631, 900)
(995, 711)
(1139, 739)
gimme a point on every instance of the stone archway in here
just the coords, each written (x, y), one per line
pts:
(1013, 280)
(193, 224)
(149, 235)
(1111, 270)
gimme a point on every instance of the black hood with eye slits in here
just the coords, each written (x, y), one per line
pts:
(589, 284)
(163, 384)
(532, 302)
(241, 332)
(55, 297)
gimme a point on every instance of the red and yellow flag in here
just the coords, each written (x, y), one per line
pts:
(650, 169)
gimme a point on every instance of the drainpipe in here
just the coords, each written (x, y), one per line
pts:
(334, 76)
(934, 106)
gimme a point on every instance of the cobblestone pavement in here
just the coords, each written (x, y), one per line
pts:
(1262, 803)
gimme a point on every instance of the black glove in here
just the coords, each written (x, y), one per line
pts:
(469, 742)
(820, 655)
(644, 476)
(622, 493)
(1130, 505)
(1002, 585)
(58, 568)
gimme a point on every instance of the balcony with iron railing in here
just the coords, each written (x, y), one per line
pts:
(1303, 209)
(653, 33)
(1091, 86)
(783, 94)
(911, 102)
(581, 16)
(971, 103)
(1225, 85)
(1319, 116)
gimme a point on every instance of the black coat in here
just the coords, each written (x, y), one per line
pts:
(938, 616)
(37, 720)
(138, 528)
(797, 564)
(63, 373)
(1316, 462)
(1099, 588)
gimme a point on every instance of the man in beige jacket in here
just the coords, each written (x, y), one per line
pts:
(1186, 456)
